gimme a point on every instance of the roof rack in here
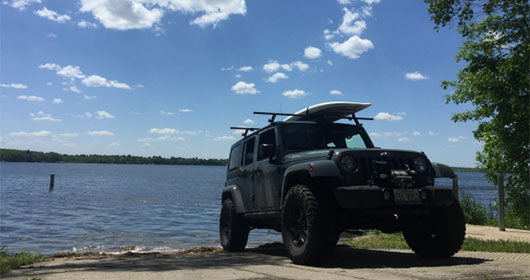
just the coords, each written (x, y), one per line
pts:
(273, 115)
(356, 119)
(246, 129)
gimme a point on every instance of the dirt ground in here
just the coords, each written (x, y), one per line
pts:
(271, 262)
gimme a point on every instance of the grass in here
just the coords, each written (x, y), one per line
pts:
(10, 261)
(376, 239)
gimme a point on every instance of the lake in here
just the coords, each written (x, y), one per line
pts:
(116, 208)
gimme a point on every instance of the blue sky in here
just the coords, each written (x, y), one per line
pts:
(169, 77)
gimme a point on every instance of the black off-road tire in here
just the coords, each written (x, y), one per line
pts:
(233, 229)
(441, 235)
(308, 229)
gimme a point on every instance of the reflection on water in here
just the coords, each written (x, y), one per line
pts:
(111, 208)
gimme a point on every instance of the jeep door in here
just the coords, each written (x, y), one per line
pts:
(267, 185)
(246, 175)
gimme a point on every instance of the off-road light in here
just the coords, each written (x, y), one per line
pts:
(386, 195)
(420, 164)
(348, 163)
(423, 195)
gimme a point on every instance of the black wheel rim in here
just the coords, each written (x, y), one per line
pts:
(298, 226)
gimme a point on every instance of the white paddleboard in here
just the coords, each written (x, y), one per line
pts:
(329, 111)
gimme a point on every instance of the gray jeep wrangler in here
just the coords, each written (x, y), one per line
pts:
(312, 179)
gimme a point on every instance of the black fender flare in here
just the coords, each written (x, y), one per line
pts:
(234, 192)
(308, 170)
(442, 170)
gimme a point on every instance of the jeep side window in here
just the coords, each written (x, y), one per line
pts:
(249, 151)
(355, 141)
(235, 157)
(267, 137)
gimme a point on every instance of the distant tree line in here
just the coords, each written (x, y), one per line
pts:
(11, 155)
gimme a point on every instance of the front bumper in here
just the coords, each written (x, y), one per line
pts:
(351, 197)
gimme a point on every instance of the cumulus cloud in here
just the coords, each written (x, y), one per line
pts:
(50, 66)
(140, 14)
(403, 139)
(276, 77)
(244, 88)
(75, 89)
(42, 133)
(300, 65)
(328, 35)
(52, 15)
(312, 52)
(224, 138)
(100, 133)
(248, 121)
(70, 71)
(432, 133)
(456, 139)
(166, 113)
(227, 68)
(21, 4)
(15, 86)
(69, 135)
(57, 101)
(273, 66)
(351, 24)
(416, 133)
(353, 47)
(103, 115)
(86, 24)
(387, 117)
(186, 110)
(164, 131)
(370, 2)
(41, 116)
(335, 92)
(98, 81)
(246, 68)
(415, 76)
(32, 98)
(295, 93)
(88, 97)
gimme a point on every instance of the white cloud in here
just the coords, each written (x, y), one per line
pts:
(276, 77)
(248, 121)
(432, 133)
(100, 133)
(238, 76)
(350, 24)
(367, 11)
(415, 76)
(86, 24)
(186, 110)
(57, 101)
(246, 68)
(49, 83)
(114, 144)
(139, 14)
(335, 92)
(69, 135)
(416, 133)
(88, 97)
(70, 71)
(312, 52)
(52, 15)
(344, 2)
(167, 113)
(88, 115)
(98, 81)
(41, 116)
(103, 115)
(244, 88)
(51, 35)
(21, 4)
(50, 66)
(329, 62)
(375, 134)
(403, 139)
(227, 68)
(273, 66)
(456, 139)
(295, 93)
(224, 138)
(75, 89)
(164, 131)
(300, 65)
(402, 113)
(370, 2)
(42, 133)
(31, 98)
(353, 47)
(328, 35)
(387, 117)
(15, 86)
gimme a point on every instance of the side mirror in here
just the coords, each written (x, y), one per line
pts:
(267, 150)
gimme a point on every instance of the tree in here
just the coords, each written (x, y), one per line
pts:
(496, 81)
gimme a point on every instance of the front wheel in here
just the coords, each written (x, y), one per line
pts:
(307, 228)
(233, 229)
(441, 235)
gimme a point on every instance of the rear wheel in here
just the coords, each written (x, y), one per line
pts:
(233, 229)
(308, 230)
(441, 236)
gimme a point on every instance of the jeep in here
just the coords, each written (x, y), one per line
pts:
(311, 178)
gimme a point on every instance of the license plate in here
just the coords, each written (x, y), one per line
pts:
(409, 196)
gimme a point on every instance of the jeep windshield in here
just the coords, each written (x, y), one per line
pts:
(300, 136)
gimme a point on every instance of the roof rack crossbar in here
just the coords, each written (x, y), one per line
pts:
(356, 119)
(273, 115)
(246, 129)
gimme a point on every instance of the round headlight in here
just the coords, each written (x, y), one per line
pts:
(420, 164)
(348, 163)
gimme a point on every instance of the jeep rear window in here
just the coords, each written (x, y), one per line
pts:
(235, 157)
(309, 136)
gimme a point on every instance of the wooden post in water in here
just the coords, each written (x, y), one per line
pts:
(52, 181)
(455, 186)
(500, 183)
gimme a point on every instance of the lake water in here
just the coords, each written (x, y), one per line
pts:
(116, 208)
